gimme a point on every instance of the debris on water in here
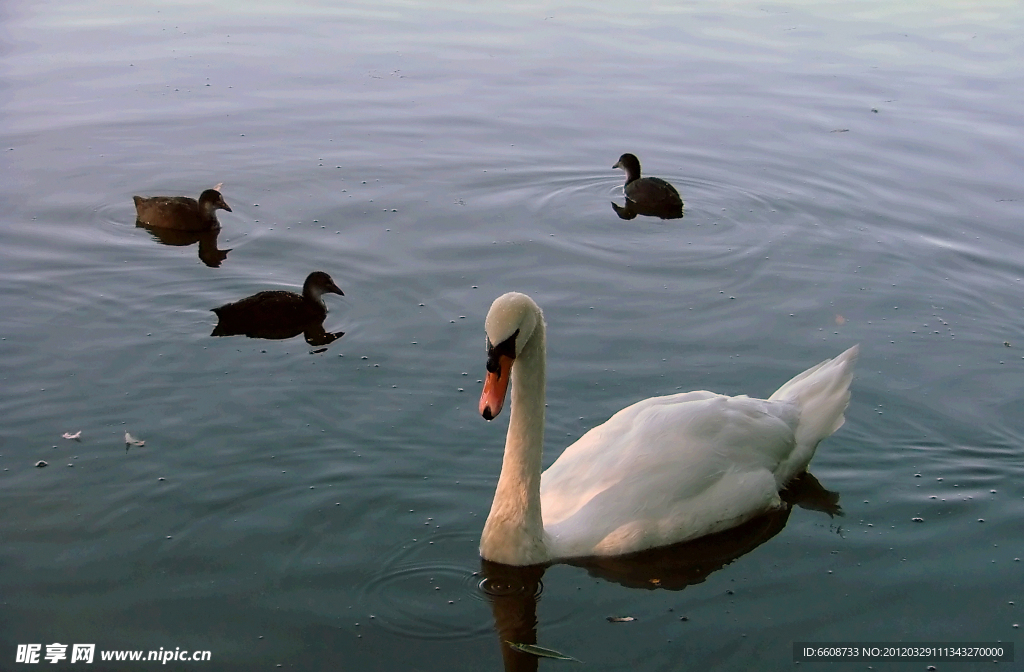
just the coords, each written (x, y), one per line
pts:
(917, 520)
(540, 651)
(42, 463)
(840, 130)
(76, 436)
(621, 619)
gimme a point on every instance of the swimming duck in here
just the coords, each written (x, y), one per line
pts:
(181, 212)
(651, 196)
(278, 314)
(663, 470)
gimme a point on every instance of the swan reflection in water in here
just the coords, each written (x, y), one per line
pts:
(209, 253)
(279, 315)
(513, 591)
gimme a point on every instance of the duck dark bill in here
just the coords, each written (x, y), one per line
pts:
(495, 387)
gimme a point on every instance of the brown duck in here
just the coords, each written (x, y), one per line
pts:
(650, 196)
(278, 314)
(181, 212)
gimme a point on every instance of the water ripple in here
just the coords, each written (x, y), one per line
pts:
(420, 592)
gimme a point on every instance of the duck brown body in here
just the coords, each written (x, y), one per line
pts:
(278, 314)
(181, 212)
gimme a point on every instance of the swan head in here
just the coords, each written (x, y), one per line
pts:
(510, 323)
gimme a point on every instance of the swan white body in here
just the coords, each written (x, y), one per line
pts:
(661, 471)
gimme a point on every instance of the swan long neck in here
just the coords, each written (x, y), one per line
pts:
(514, 532)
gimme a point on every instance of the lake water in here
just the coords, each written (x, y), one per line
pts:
(852, 173)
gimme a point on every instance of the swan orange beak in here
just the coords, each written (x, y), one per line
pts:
(495, 387)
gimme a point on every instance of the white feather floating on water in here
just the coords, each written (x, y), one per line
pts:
(130, 440)
(76, 436)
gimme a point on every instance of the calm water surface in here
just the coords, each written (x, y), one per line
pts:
(852, 174)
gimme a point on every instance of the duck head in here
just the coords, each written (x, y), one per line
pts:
(211, 200)
(630, 164)
(319, 283)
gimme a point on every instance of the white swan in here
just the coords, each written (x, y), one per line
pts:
(663, 470)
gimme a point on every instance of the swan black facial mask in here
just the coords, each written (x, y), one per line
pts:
(499, 369)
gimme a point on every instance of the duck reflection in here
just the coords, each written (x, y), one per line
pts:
(279, 315)
(631, 209)
(513, 591)
(209, 253)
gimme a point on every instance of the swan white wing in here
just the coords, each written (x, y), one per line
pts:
(664, 470)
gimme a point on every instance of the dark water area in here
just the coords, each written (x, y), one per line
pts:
(851, 172)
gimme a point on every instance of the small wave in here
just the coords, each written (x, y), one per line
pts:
(421, 592)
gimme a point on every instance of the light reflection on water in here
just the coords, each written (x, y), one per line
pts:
(851, 174)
